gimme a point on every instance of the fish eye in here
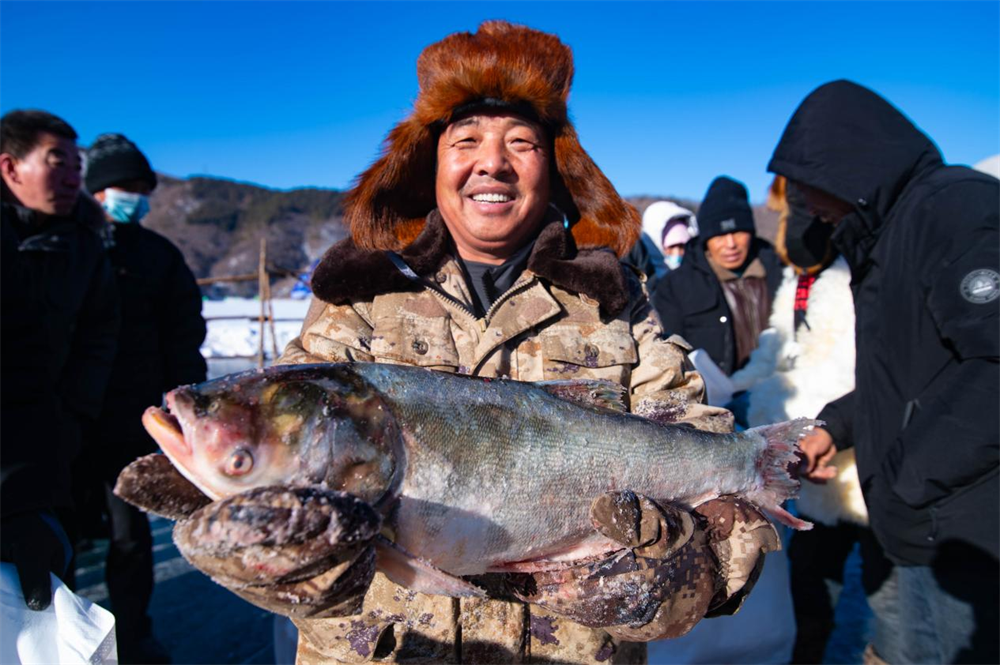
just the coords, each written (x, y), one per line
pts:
(239, 463)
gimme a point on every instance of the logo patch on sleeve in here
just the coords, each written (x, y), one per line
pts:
(981, 286)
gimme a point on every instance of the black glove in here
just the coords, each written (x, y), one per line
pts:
(36, 545)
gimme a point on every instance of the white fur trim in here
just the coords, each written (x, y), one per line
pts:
(804, 375)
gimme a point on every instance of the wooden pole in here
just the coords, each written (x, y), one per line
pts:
(261, 293)
(270, 320)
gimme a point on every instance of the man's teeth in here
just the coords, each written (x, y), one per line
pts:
(491, 198)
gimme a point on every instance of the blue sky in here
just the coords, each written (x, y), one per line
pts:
(667, 95)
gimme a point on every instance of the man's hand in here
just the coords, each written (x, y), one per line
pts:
(818, 448)
(36, 547)
(675, 568)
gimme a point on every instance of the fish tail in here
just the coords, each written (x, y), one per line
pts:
(774, 462)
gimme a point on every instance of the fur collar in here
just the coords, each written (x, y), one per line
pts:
(348, 272)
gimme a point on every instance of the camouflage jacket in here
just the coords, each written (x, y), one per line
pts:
(540, 329)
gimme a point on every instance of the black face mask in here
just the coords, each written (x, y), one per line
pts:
(807, 239)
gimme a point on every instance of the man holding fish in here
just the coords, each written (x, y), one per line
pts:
(484, 242)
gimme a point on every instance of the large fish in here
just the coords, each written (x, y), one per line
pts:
(472, 475)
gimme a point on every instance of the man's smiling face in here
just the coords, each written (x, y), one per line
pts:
(492, 183)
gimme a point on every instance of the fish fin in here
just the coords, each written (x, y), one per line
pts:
(779, 453)
(408, 571)
(588, 392)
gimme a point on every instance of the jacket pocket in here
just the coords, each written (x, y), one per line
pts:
(415, 340)
(600, 351)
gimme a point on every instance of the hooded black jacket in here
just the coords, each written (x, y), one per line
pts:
(921, 236)
(691, 303)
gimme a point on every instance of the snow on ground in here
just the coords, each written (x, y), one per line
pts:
(241, 337)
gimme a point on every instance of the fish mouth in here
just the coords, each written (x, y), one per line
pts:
(166, 430)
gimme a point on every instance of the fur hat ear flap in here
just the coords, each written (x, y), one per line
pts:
(390, 209)
(605, 219)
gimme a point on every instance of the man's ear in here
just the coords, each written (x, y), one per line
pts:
(8, 168)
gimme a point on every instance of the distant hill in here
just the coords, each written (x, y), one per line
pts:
(218, 225)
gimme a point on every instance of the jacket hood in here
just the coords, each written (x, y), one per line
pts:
(504, 66)
(656, 216)
(849, 142)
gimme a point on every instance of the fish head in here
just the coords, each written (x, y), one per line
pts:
(291, 426)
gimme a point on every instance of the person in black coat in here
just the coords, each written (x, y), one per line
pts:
(923, 242)
(59, 324)
(719, 299)
(158, 349)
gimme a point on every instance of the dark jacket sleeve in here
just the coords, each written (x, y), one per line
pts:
(34, 474)
(666, 306)
(958, 410)
(95, 339)
(773, 267)
(838, 419)
(182, 327)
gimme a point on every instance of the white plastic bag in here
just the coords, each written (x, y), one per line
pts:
(71, 630)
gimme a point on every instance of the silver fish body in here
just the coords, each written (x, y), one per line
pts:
(478, 475)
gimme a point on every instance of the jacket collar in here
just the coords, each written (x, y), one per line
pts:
(347, 273)
(87, 213)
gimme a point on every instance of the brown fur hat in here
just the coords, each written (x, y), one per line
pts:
(516, 66)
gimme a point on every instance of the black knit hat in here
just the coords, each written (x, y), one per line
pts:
(113, 159)
(725, 209)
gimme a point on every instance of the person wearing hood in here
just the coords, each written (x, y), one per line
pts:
(158, 349)
(59, 327)
(719, 299)
(922, 240)
(806, 359)
(666, 229)
(486, 242)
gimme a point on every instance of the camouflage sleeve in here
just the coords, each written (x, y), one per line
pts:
(331, 333)
(664, 383)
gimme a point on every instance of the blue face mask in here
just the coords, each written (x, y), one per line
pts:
(673, 261)
(125, 206)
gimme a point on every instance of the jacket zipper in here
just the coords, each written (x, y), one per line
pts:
(483, 322)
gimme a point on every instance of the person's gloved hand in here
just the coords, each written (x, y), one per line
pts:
(300, 552)
(676, 567)
(37, 545)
